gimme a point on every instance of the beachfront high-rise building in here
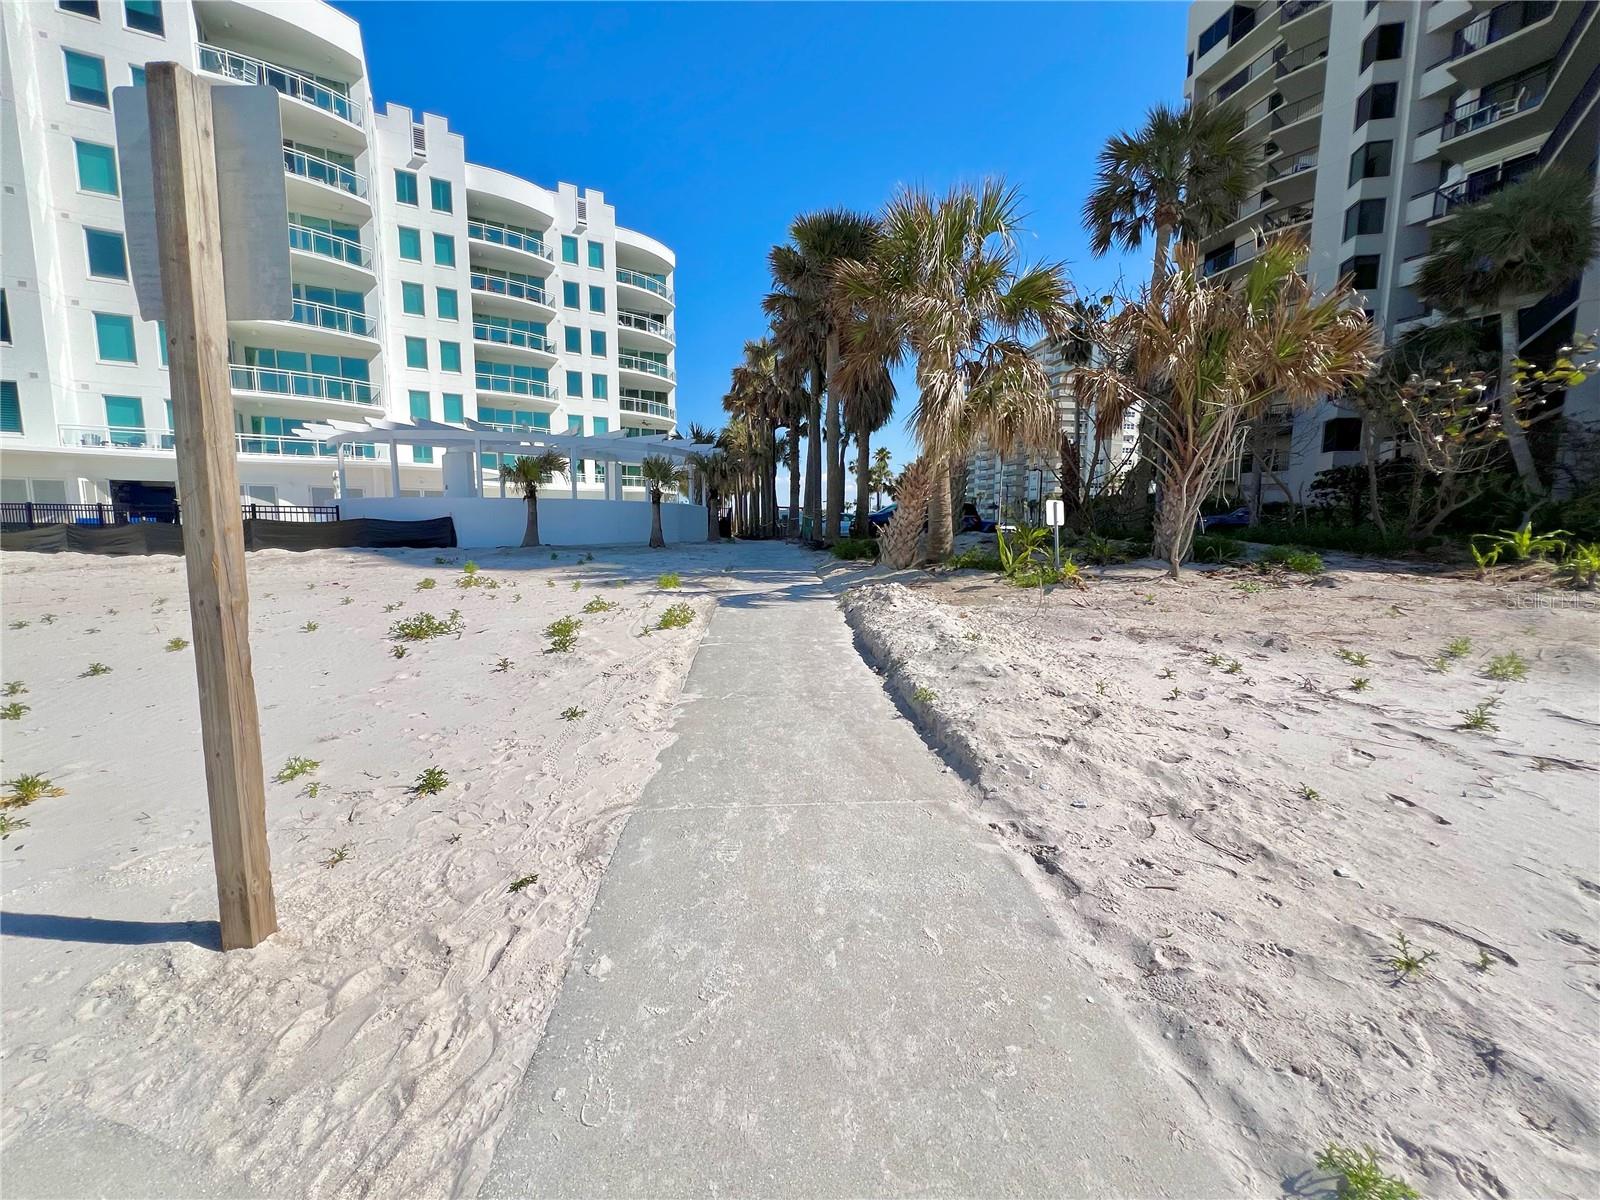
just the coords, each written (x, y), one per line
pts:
(1375, 122)
(425, 285)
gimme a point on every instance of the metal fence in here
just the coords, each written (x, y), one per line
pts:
(30, 515)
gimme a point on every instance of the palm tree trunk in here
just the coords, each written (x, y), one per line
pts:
(1144, 470)
(794, 481)
(863, 482)
(1258, 439)
(656, 540)
(769, 481)
(814, 455)
(1370, 445)
(530, 535)
(1516, 436)
(941, 536)
(713, 534)
(835, 504)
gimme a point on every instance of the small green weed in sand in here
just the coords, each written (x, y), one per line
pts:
(677, 616)
(1360, 683)
(296, 766)
(94, 669)
(1215, 660)
(25, 789)
(598, 605)
(573, 713)
(1457, 648)
(668, 581)
(1485, 962)
(439, 560)
(526, 881)
(427, 584)
(430, 783)
(336, 855)
(14, 687)
(176, 644)
(1479, 719)
(1175, 694)
(395, 607)
(20, 624)
(397, 651)
(10, 824)
(310, 627)
(1293, 558)
(1354, 657)
(425, 626)
(1407, 961)
(312, 790)
(1233, 667)
(1099, 687)
(1306, 792)
(1164, 673)
(563, 634)
(504, 665)
(1509, 667)
(48, 619)
(1360, 1176)
(923, 695)
(14, 711)
(470, 577)
(1248, 586)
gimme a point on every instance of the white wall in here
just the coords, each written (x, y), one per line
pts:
(489, 521)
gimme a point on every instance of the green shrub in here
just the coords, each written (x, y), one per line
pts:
(677, 616)
(977, 558)
(1214, 548)
(668, 580)
(1293, 558)
(855, 549)
(563, 634)
(1360, 1176)
(1347, 539)
(430, 783)
(424, 626)
(296, 766)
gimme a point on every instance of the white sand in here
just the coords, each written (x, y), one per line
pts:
(367, 1048)
(1243, 926)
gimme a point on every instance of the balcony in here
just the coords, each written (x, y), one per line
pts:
(301, 385)
(499, 336)
(339, 320)
(507, 237)
(1288, 218)
(645, 283)
(645, 366)
(647, 408)
(1288, 62)
(490, 283)
(104, 437)
(1481, 185)
(1257, 68)
(643, 323)
(1495, 25)
(1297, 8)
(1289, 114)
(326, 245)
(308, 91)
(512, 385)
(1497, 105)
(314, 169)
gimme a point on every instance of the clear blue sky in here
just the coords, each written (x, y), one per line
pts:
(710, 126)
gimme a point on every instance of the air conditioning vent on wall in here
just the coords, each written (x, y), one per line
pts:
(419, 141)
(583, 213)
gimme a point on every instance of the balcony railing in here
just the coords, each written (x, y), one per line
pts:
(111, 437)
(1476, 187)
(1499, 22)
(1289, 63)
(299, 447)
(1298, 215)
(1497, 104)
(631, 320)
(634, 362)
(327, 245)
(497, 285)
(1297, 8)
(1257, 67)
(1219, 263)
(1288, 114)
(649, 408)
(492, 233)
(500, 335)
(328, 316)
(511, 385)
(320, 170)
(301, 384)
(649, 284)
(282, 79)
(1293, 166)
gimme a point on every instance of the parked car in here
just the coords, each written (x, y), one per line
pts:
(1229, 520)
(879, 518)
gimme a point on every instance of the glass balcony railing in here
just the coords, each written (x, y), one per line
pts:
(634, 362)
(500, 335)
(301, 384)
(498, 285)
(650, 408)
(320, 170)
(294, 84)
(511, 385)
(328, 316)
(492, 233)
(327, 245)
(644, 324)
(111, 437)
(648, 282)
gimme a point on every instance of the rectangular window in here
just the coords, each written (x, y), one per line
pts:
(145, 16)
(10, 408)
(161, 351)
(443, 201)
(575, 383)
(405, 187)
(1382, 43)
(1214, 32)
(453, 409)
(421, 410)
(411, 301)
(113, 336)
(86, 79)
(410, 243)
(1364, 216)
(1363, 271)
(597, 343)
(1372, 161)
(136, 76)
(569, 294)
(597, 299)
(417, 353)
(108, 255)
(84, 8)
(597, 255)
(97, 167)
(449, 309)
(575, 424)
(5, 319)
(444, 250)
(601, 424)
(574, 340)
(599, 387)
(1377, 103)
(569, 249)
(1341, 434)
(125, 412)
(450, 357)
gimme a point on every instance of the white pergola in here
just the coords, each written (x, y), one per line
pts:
(481, 438)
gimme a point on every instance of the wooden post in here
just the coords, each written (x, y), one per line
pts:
(189, 238)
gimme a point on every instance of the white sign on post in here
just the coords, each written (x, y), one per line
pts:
(250, 201)
(1055, 513)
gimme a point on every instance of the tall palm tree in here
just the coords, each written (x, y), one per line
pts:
(715, 472)
(945, 285)
(660, 473)
(882, 475)
(531, 472)
(700, 435)
(868, 398)
(1518, 244)
(761, 394)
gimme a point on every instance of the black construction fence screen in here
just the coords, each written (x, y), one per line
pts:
(26, 514)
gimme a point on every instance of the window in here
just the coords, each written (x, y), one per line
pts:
(125, 412)
(1372, 161)
(1341, 434)
(113, 336)
(597, 299)
(421, 410)
(97, 167)
(442, 199)
(1382, 43)
(145, 16)
(444, 250)
(410, 244)
(108, 256)
(597, 255)
(449, 309)
(601, 424)
(411, 300)
(86, 79)
(417, 353)
(569, 294)
(453, 409)
(450, 357)
(136, 76)
(1364, 216)
(10, 408)
(161, 353)
(1363, 271)
(1214, 32)
(84, 8)
(575, 425)
(405, 187)
(597, 343)
(1376, 103)
(599, 389)
(5, 319)
(575, 383)
(569, 249)
(574, 340)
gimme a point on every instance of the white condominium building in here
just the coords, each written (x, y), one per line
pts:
(1376, 119)
(425, 285)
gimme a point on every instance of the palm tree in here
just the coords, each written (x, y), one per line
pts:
(945, 285)
(530, 473)
(761, 394)
(868, 404)
(713, 468)
(1525, 241)
(660, 473)
(882, 475)
(700, 435)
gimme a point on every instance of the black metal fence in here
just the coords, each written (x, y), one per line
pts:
(18, 514)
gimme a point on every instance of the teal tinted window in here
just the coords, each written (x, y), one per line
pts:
(574, 424)
(449, 310)
(108, 257)
(444, 250)
(575, 383)
(597, 343)
(597, 299)
(450, 356)
(597, 255)
(442, 200)
(569, 249)
(113, 335)
(410, 243)
(161, 349)
(86, 79)
(574, 340)
(569, 294)
(601, 424)
(97, 167)
(124, 412)
(145, 16)
(10, 408)
(136, 76)
(453, 410)
(599, 387)
(417, 352)
(411, 299)
(405, 187)
(420, 410)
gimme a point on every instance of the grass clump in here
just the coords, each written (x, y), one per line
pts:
(923, 695)
(573, 713)
(1354, 657)
(10, 824)
(1306, 792)
(425, 626)
(1407, 961)
(563, 634)
(296, 766)
(598, 605)
(504, 665)
(1509, 667)
(427, 584)
(856, 549)
(430, 783)
(310, 627)
(677, 616)
(25, 789)
(14, 711)
(14, 687)
(94, 669)
(1360, 683)
(471, 578)
(1293, 558)
(668, 581)
(1581, 567)
(176, 644)
(1360, 1176)
(525, 882)
(1213, 547)
(1479, 719)
(336, 855)
(977, 558)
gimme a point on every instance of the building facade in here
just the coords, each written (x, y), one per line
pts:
(425, 285)
(1375, 121)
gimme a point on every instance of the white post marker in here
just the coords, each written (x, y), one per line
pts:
(1055, 516)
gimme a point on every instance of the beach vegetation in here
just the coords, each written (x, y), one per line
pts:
(856, 549)
(1360, 1175)
(1523, 544)
(598, 605)
(676, 616)
(563, 634)
(1479, 718)
(1581, 566)
(294, 767)
(93, 669)
(668, 581)
(427, 584)
(430, 782)
(1360, 683)
(525, 881)
(425, 626)
(10, 823)
(14, 687)
(176, 644)
(337, 855)
(23, 790)
(14, 711)
(504, 665)
(573, 713)
(923, 695)
(1293, 558)
(1354, 657)
(1407, 960)
(310, 627)
(1509, 667)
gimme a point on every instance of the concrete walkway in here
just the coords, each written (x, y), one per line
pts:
(810, 972)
